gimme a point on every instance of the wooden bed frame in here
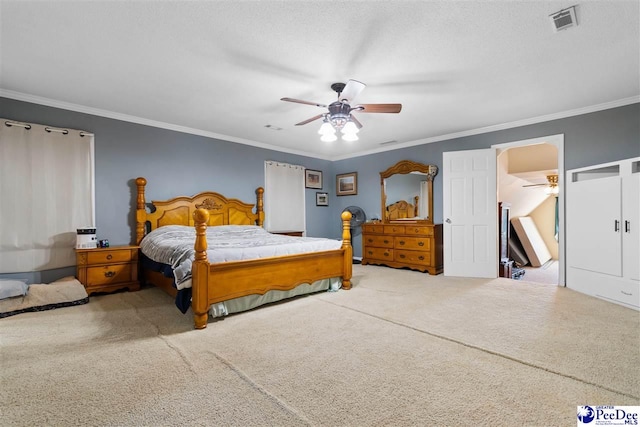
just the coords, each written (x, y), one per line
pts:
(213, 283)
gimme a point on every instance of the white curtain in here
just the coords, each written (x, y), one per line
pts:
(46, 193)
(284, 207)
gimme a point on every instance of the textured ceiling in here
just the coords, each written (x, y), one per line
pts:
(219, 68)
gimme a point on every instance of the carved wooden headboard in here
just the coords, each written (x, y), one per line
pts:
(402, 209)
(179, 210)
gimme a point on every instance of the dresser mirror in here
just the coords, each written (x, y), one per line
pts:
(407, 192)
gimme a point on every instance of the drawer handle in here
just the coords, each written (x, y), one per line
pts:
(421, 258)
(420, 243)
(628, 294)
(370, 253)
(386, 242)
(401, 242)
(402, 256)
(109, 273)
(370, 240)
(386, 254)
(109, 257)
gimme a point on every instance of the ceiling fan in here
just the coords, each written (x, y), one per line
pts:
(339, 115)
(551, 184)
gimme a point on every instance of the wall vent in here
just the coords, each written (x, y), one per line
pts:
(566, 18)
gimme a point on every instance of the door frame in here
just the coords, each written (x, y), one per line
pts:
(558, 142)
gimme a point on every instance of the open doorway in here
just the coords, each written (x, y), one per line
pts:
(530, 180)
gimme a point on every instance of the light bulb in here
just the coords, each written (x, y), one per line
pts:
(350, 127)
(328, 137)
(551, 190)
(326, 128)
(349, 137)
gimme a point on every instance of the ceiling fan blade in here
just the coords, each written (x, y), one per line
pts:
(319, 116)
(356, 122)
(351, 90)
(379, 108)
(299, 101)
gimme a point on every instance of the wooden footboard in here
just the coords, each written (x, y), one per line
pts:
(212, 283)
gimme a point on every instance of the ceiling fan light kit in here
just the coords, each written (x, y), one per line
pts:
(328, 137)
(551, 187)
(339, 116)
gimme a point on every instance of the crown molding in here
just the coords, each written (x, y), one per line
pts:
(502, 126)
(18, 96)
(163, 125)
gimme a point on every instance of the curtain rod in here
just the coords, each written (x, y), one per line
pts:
(49, 129)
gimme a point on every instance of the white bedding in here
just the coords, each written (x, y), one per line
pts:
(173, 245)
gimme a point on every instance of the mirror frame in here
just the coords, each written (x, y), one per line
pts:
(405, 167)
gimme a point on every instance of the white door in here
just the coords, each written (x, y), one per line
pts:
(593, 209)
(630, 226)
(470, 213)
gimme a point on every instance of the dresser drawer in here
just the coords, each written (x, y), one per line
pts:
(379, 241)
(417, 230)
(394, 229)
(412, 257)
(373, 228)
(108, 274)
(107, 257)
(412, 243)
(378, 253)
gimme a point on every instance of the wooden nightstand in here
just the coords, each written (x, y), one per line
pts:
(108, 269)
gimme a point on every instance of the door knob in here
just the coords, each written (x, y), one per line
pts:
(448, 221)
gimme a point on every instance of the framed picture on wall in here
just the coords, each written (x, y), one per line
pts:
(347, 184)
(322, 199)
(313, 179)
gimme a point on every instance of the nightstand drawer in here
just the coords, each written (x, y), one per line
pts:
(109, 257)
(108, 274)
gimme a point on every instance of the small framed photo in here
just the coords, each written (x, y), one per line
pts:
(347, 184)
(322, 199)
(313, 179)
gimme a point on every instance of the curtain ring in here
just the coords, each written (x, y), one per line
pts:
(9, 124)
(62, 131)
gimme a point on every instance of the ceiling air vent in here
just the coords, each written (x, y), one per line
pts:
(564, 19)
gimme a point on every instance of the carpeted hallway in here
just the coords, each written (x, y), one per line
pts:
(401, 348)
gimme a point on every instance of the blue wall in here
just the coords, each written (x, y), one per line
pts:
(175, 163)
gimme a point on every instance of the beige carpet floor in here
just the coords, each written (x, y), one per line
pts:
(400, 349)
(548, 273)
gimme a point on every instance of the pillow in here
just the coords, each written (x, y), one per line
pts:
(12, 288)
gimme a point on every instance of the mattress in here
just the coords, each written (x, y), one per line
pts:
(174, 245)
(531, 240)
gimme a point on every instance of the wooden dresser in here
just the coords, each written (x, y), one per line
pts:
(108, 269)
(414, 246)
